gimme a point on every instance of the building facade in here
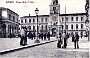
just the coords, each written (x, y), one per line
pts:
(10, 24)
(31, 23)
(75, 23)
(55, 22)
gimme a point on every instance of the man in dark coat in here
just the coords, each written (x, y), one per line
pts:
(73, 36)
(41, 36)
(59, 41)
(76, 39)
(34, 35)
(25, 39)
(45, 36)
(48, 36)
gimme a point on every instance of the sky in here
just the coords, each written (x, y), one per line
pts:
(24, 9)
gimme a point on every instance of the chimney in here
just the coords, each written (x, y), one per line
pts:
(29, 14)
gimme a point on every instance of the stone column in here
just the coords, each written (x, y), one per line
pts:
(7, 31)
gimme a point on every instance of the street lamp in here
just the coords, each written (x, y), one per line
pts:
(37, 40)
(87, 27)
(39, 26)
(65, 19)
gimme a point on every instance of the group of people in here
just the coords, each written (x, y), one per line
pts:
(24, 34)
(42, 36)
(63, 40)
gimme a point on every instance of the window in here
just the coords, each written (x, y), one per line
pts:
(42, 19)
(71, 18)
(81, 18)
(76, 18)
(76, 26)
(33, 27)
(33, 20)
(29, 20)
(53, 2)
(54, 8)
(25, 20)
(9, 16)
(66, 26)
(29, 27)
(76, 32)
(72, 26)
(38, 28)
(42, 27)
(62, 19)
(17, 19)
(21, 20)
(13, 18)
(81, 26)
(45, 19)
(66, 18)
(62, 26)
(46, 27)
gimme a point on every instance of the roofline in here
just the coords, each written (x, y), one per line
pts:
(8, 9)
(35, 16)
(72, 14)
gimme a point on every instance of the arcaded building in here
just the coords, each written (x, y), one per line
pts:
(10, 24)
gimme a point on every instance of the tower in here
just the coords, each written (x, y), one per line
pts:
(54, 16)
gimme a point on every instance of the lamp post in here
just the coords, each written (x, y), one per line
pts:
(65, 19)
(37, 40)
(39, 26)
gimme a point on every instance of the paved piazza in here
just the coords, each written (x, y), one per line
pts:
(48, 51)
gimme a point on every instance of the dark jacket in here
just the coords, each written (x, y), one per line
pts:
(76, 37)
(48, 35)
(73, 38)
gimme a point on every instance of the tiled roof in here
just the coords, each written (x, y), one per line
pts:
(8, 9)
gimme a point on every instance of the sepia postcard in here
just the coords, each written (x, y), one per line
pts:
(44, 28)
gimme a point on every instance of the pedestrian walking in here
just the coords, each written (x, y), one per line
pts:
(73, 37)
(76, 39)
(63, 36)
(41, 36)
(59, 40)
(65, 41)
(48, 36)
(67, 37)
(22, 36)
(29, 35)
(45, 36)
(34, 35)
(25, 39)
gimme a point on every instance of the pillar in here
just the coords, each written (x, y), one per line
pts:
(7, 31)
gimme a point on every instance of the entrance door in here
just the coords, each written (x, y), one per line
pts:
(54, 32)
